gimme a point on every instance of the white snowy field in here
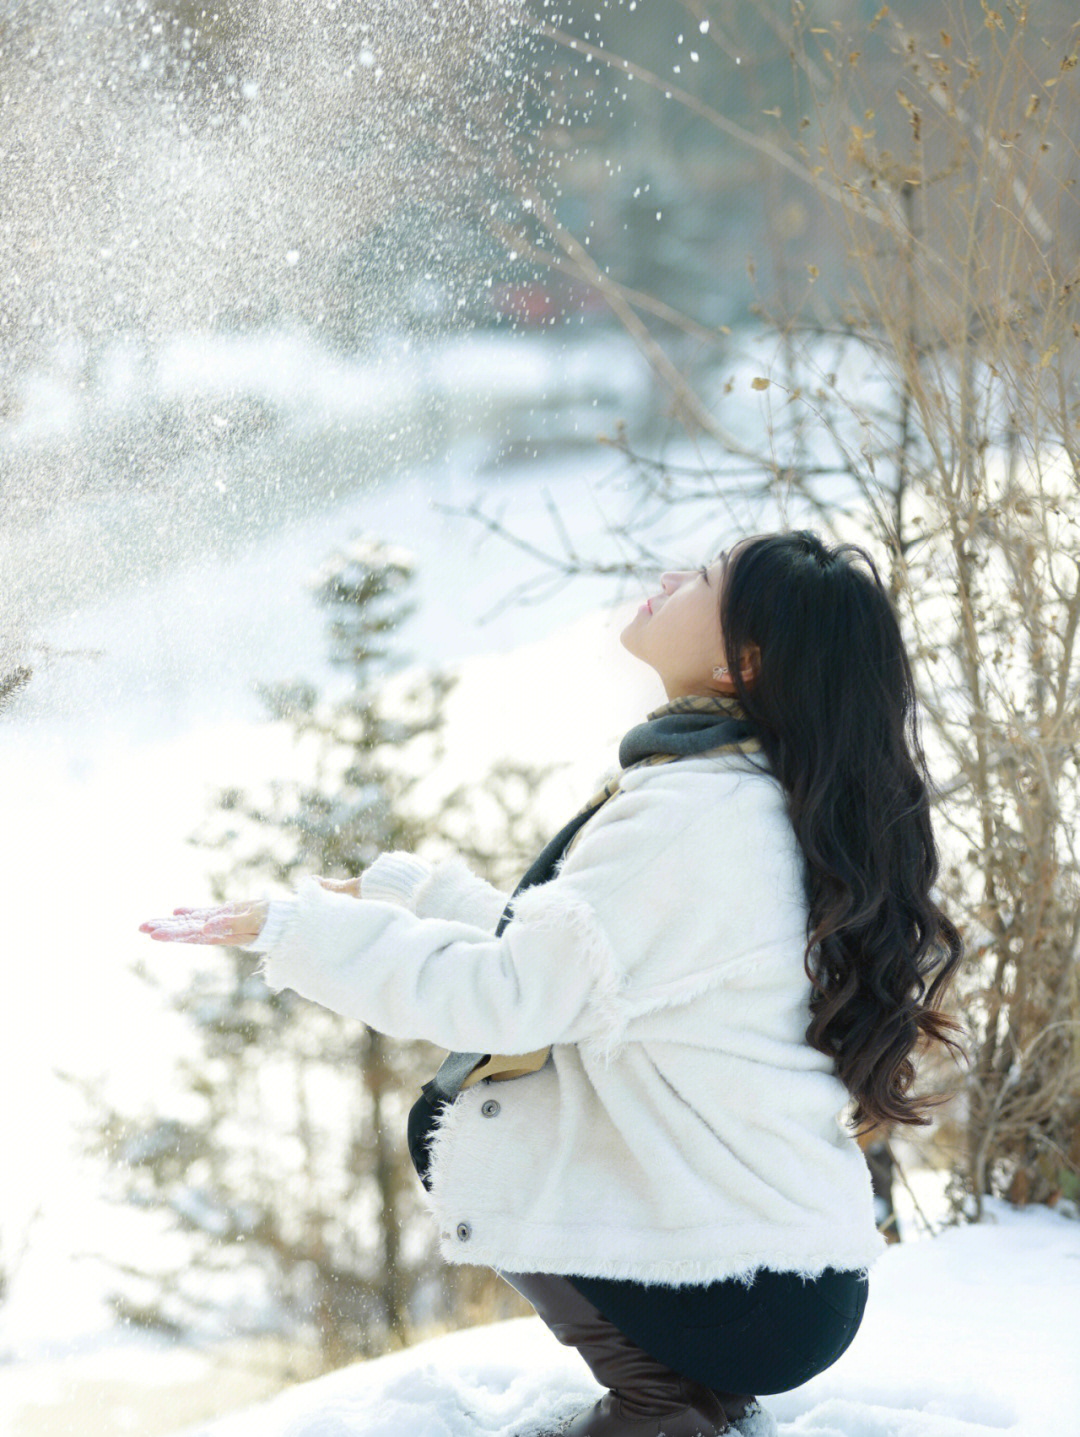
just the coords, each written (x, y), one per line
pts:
(972, 1333)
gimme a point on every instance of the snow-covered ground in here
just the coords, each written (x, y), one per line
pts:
(972, 1333)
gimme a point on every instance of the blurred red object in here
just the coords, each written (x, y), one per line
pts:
(533, 303)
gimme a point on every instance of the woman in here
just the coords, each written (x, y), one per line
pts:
(725, 945)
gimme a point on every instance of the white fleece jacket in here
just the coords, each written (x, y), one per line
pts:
(682, 1130)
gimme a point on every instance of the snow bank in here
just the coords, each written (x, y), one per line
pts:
(971, 1333)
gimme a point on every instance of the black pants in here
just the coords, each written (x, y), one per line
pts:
(766, 1338)
(769, 1337)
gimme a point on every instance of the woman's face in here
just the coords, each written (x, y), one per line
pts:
(677, 630)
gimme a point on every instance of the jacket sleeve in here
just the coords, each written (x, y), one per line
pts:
(448, 889)
(453, 890)
(665, 890)
(552, 976)
(549, 978)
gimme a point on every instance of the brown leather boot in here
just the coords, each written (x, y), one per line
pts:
(646, 1398)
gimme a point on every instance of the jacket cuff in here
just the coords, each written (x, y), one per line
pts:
(394, 878)
(280, 912)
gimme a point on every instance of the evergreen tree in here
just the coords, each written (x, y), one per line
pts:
(292, 1168)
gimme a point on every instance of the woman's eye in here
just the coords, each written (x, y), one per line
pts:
(704, 572)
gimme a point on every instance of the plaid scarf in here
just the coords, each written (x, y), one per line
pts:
(691, 725)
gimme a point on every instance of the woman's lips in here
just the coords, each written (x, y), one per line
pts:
(646, 605)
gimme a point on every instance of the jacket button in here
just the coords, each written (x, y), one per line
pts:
(490, 1108)
(463, 1231)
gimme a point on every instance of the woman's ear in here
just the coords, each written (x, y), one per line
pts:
(751, 663)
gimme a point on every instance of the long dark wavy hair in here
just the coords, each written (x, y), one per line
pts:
(831, 701)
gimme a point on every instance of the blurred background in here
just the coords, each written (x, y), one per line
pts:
(361, 368)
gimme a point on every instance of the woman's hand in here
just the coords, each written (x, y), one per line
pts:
(228, 923)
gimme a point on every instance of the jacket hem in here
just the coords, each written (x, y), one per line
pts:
(736, 1250)
(547, 1250)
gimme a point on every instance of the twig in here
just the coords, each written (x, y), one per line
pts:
(723, 123)
(898, 1168)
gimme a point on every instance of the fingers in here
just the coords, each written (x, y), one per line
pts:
(181, 920)
(190, 930)
(225, 923)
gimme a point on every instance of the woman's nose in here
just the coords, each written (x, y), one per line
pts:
(669, 581)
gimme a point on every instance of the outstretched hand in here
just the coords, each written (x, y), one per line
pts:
(228, 922)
